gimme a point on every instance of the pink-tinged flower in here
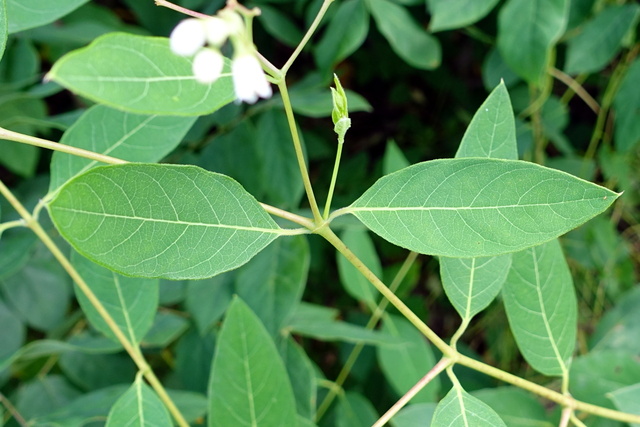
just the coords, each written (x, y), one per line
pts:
(188, 37)
(207, 65)
(249, 80)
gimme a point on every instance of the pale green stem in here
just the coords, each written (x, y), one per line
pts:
(130, 348)
(443, 364)
(566, 417)
(577, 88)
(13, 411)
(298, 219)
(282, 85)
(576, 421)
(11, 224)
(357, 349)
(334, 177)
(307, 36)
(463, 327)
(183, 10)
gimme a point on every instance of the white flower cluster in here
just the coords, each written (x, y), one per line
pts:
(202, 38)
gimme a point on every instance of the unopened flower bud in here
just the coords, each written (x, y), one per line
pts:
(340, 107)
(216, 30)
(187, 37)
(207, 65)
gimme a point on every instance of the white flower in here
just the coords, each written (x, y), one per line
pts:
(188, 37)
(217, 31)
(249, 80)
(207, 65)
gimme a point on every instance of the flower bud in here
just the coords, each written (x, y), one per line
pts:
(187, 37)
(207, 65)
(340, 107)
(216, 30)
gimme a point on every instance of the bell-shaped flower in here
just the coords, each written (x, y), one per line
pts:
(249, 80)
(217, 31)
(207, 65)
(188, 37)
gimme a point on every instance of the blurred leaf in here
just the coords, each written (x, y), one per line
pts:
(126, 136)
(152, 216)
(405, 364)
(20, 65)
(271, 284)
(579, 11)
(94, 371)
(352, 280)
(495, 70)
(600, 39)
(13, 332)
(316, 102)
(627, 399)
(414, 415)
(166, 328)
(452, 14)
(193, 406)
(412, 43)
(541, 307)
(207, 299)
(24, 14)
(279, 25)
(302, 376)
(131, 302)
(477, 207)
(193, 355)
(515, 406)
(527, 31)
(354, 410)
(393, 159)
(140, 74)
(249, 383)
(43, 395)
(139, 406)
(3, 27)
(172, 292)
(619, 327)
(459, 408)
(627, 108)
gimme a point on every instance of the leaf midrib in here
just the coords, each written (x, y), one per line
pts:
(468, 208)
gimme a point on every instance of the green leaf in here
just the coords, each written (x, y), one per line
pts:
(627, 108)
(166, 328)
(600, 39)
(271, 284)
(24, 14)
(141, 75)
(97, 370)
(471, 284)
(415, 415)
(492, 131)
(477, 207)
(393, 159)
(193, 355)
(138, 406)
(302, 375)
(627, 399)
(451, 14)
(207, 299)
(131, 302)
(413, 44)
(279, 26)
(527, 31)
(541, 307)
(249, 384)
(175, 222)
(495, 70)
(354, 282)
(354, 410)
(459, 408)
(316, 102)
(405, 364)
(619, 327)
(13, 332)
(515, 406)
(42, 395)
(4, 28)
(127, 136)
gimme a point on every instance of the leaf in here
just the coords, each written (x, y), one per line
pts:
(42, 395)
(492, 131)
(138, 406)
(541, 307)
(627, 108)
(249, 384)
(393, 159)
(471, 284)
(316, 102)
(208, 299)
(3, 27)
(166, 328)
(459, 408)
(452, 14)
(175, 222)
(302, 376)
(627, 399)
(600, 39)
(515, 406)
(141, 75)
(619, 327)
(527, 31)
(413, 44)
(91, 371)
(13, 333)
(279, 26)
(354, 282)
(405, 364)
(131, 302)
(495, 70)
(477, 207)
(354, 410)
(415, 415)
(25, 14)
(127, 136)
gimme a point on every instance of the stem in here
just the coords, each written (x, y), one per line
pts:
(133, 350)
(299, 154)
(334, 177)
(13, 411)
(298, 219)
(443, 364)
(577, 88)
(307, 36)
(183, 10)
(463, 327)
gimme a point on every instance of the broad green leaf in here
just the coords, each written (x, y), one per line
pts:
(302, 376)
(42, 395)
(627, 108)
(515, 406)
(354, 282)
(541, 307)
(495, 70)
(175, 222)
(166, 328)
(13, 333)
(459, 408)
(193, 406)
(620, 326)
(131, 302)
(393, 159)
(141, 75)
(279, 26)
(405, 364)
(492, 131)
(193, 355)
(127, 136)
(271, 284)
(600, 39)
(3, 27)
(412, 43)
(139, 406)
(24, 14)
(471, 284)
(316, 102)
(207, 299)
(527, 31)
(627, 399)
(91, 371)
(477, 207)
(414, 415)
(249, 384)
(354, 410)
(20, 66)
(451, 14)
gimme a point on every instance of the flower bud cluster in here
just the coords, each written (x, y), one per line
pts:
(203, 38)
